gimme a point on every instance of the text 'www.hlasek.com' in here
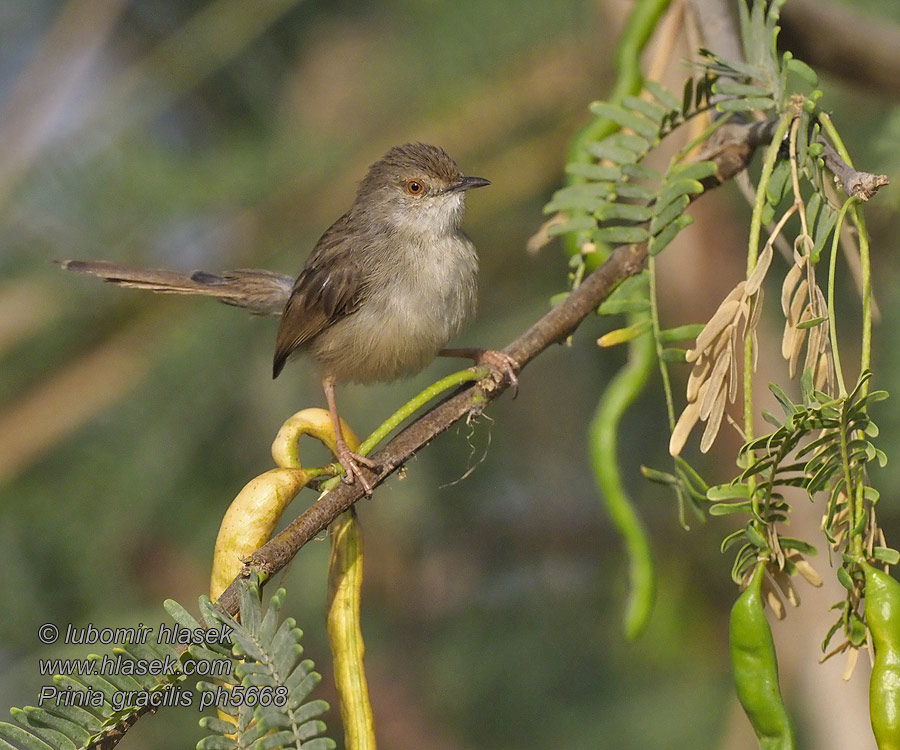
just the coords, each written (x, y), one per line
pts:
(170, 669)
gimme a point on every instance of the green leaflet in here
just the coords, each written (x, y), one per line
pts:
(635, 121)
(803, 70)
(269, 654)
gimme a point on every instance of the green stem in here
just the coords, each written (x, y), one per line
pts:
(866, 272)
(413, 405)
(832, 272)
(865, 261)
(752, 253)
(468, 375)
(663, 369)
(854, 501)
(621, 391)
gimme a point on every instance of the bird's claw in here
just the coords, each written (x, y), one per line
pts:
(351, 461)
(502, 363)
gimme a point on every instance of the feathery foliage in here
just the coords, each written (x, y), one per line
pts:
(262, 684)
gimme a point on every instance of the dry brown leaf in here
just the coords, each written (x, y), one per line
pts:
(733, 342)
(716, 382)
(733, 375)
(791, 279)
(807, 241)
(743, 313)
(792, 340)
(787, 587)
(728, 334)
(815, 345)
(824, 375)
(809, 573)
(722, 318)
(787, 339)
(839, 538)
(775, 544)
(758, 274)
(773, 600)
(798, 303)
(737, 292)
(790, 320)
(852, 657)
(839, 649)
(685, 424)
(820, 305)
(541, 238)
(799, 337)
(839, 518)
(715, 421)
(751, 321)
(699, 375)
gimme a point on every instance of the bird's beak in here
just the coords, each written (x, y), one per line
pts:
(467, 183)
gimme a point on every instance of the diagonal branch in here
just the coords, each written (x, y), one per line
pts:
(732, 150)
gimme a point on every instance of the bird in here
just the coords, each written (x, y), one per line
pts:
(382, 293)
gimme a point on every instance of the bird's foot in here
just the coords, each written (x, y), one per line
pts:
(500, 362)
(351, 462)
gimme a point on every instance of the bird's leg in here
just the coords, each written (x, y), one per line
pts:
(496, 360)
(349, 460)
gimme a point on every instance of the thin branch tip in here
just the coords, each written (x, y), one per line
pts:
(862, 185)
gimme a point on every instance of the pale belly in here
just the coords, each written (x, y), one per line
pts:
(395, 336)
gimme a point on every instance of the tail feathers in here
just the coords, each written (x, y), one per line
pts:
(259, 291)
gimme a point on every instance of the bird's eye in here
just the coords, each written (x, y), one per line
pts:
(414, 187)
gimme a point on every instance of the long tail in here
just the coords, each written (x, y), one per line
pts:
(259, 291)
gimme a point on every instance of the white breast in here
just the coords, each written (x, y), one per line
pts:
(417, 305)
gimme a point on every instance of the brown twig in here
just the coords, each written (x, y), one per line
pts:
(863, 185)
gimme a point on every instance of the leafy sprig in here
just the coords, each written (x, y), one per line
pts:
(272, 710)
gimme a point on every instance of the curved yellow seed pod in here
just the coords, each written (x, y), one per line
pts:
(250, 520)
(315, 423)
(254, 513)
(345, 572)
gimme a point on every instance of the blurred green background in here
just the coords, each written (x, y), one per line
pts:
(230, 134)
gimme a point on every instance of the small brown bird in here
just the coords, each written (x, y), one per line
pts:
(382, 293)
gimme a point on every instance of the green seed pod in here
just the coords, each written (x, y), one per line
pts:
(883, 619)
(756, 668)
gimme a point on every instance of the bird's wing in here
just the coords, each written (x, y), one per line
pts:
(329, 287)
